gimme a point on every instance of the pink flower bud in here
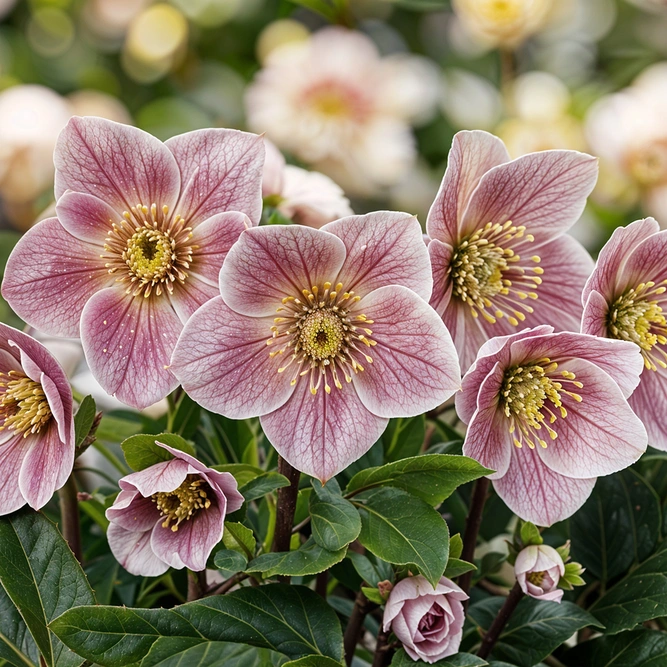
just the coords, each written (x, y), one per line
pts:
(538, 569)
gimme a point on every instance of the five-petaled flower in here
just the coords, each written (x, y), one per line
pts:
(36, 423)
(548, 412)
(142, 230)
(626, 298)
(325, 334)
(497, 242)
(170, 514)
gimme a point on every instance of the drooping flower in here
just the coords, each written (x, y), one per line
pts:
(548, 412)
(428, 621)
(142, 230)
(498, 247)
(538, 570)
(170, 514)
(626, 298)
(36, 423)
(325, 334)
(306, 197)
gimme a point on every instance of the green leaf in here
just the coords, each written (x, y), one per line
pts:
(640, 596)
(234, 561)
(371, 573)
(242, 472)
(186, 652)
(308, 559)
(17, 647)
(237, 537)
(335, 521)
(530, 534)
(83, 419)
(141, 451)
(431, 477)
(455, 546)
(265, 483)
(534, 630)
(456, 567)
(402, 659)
(373, 594)
(186, 417)
(404, 530)
(403, 437)
(619, 525)
(313, 661)
(639, 648)
(42, 578)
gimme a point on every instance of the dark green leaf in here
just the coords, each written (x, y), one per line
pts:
(239, 538)
(263, 484)
(335, 521)
(455, 546)
(639, 648)
(141, 451)
(83, 419)
(17, 647)
(186, 417)
(402, 659)
(234, 561)
(308, 559)
(187, 652)
(371, 572)
(456, 567)
(313, 661)
(242, 472)
(403, 437)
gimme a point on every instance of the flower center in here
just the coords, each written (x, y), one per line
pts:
(486, 273)
(322, 335)
(501, 11)
(23, 404)
(183, 503)
(149, 249)
(335, 100)
(648, 164)
(530, 394)
(637, 316)
(536, 578)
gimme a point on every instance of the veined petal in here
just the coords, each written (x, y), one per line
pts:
(649, 401)
(14, 450)
(646, 262)
(414, 364)
(50, 276)
(223, 362)
(162, 477)
(139, 515)
(128, 343)
(187, 299)
(466, 332)
(322, 434)
(383, 248)
(596, 311)
(86, 217)
(440, 255)
(133, 551)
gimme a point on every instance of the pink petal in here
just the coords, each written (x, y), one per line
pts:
(471, 156)
(122, 165)
(466, 332)
(13, 453)
(544, 191)
(139, 515)
(221, 170)
(49, 277)
(223, 362)
(383, 248)
(128, 342)
(86, 217)
(526, 559)
(415, 367)
(187, 299)
(273, 172)
(594, 319)
(650, 403)
(538, 494)
(551, 596)
(440, 255)
(321, 435)
(270, 263)
(646, 263)
(133, 551)
(159, 478)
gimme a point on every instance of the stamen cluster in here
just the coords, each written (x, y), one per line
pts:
(183, 503)
(23, 404)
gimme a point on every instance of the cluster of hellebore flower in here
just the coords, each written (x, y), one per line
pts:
(156, 260)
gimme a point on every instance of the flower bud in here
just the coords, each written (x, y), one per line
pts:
(538, 570)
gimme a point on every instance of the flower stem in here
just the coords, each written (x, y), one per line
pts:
(286, 507)
(500, 621)
(383, 651)
(69, 516)
(362, 606)
(196, 585)
(473, 522)
(229, 584)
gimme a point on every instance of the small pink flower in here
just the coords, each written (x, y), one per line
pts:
(498, 247)
(141, 233)
(626, 298)
(36, 423)
(428, 621)
(548, 412)
(171, 514)
(325, 334)
(538, 570)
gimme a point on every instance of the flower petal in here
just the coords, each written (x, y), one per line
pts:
(270, 263)
(650, 403)
(50, 276)
(646, 263)
(594, 319)
(13, 453)
(383, 248)
(139, 515)
(133, 551)
(223, 362)
(221, 170)
(120, 164)
(321, 435)
(414, 367)
(128, 342)
(466, 332)
(159, 478)
(187, 299)
(440, 255)
(471, 156)
(86, 217)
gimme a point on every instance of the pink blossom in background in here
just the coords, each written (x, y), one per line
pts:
(626, 298)
(538, 570)
(142, 230)
(428, 621)
(325, 334)
(170, 514)
(549, 413)
(36, 423)
(498, 246)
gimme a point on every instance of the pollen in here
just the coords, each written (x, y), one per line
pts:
(23, 404)
(183, 503)
(536, 578)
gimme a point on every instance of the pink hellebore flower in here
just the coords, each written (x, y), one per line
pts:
(428, 621)
(548, 412)
(626, 298)
(142, 230)
(498, 248)
(325, 334)
(171, 514)
(538, 570)
(36, 423)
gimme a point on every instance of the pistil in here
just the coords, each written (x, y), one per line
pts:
(183, 503)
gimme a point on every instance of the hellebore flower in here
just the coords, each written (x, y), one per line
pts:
(548, 412)
(498, 248)
(36, 423)
(170, 514)
(427, 620)
(325, 334)
(538, 570)
(141, 233)
(626, 298)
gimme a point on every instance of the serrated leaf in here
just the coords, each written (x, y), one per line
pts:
(313, 661)
(182, 652)
(402, 659)
(265, 483)
(335, 521)
(234, 561)
(17, 646)
(639, 648)
(237, 537)
(457, 567)
(83, 419)
(308, 559)
(141, 451)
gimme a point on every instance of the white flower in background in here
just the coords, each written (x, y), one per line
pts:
(469, 101)
(94, 103)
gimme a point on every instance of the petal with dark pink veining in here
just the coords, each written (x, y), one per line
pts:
(596, 312)
(87, 217)
(440, 255)
(13, 449)
(133, 551)
(161, 477)
(650, 403)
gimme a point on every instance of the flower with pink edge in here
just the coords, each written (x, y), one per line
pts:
(538, 570)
